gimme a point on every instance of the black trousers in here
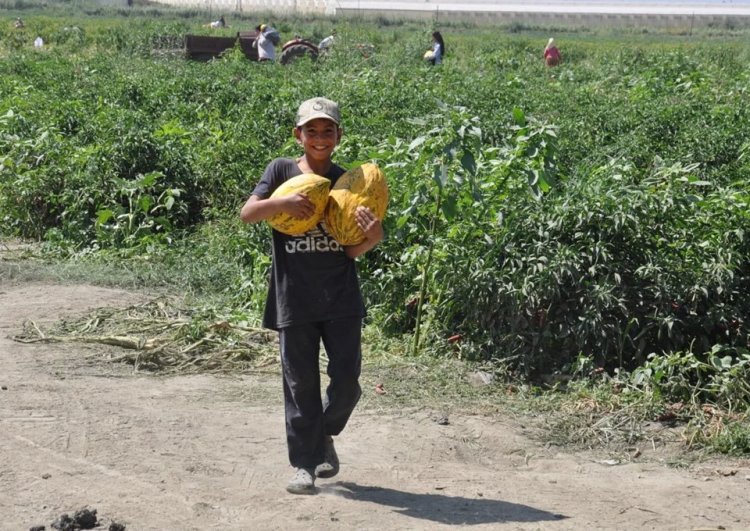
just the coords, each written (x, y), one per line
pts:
(308, 417)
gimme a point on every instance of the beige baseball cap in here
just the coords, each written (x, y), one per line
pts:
(318, 108)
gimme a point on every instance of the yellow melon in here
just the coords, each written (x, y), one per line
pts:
(364, 186)
(316, 189)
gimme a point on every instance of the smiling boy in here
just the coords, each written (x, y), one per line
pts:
(313, 296)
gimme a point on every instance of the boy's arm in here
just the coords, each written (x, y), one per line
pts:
(257, 209)
(372, 228)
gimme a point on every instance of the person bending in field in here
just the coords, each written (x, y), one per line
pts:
(552, 55)
(221, 23)
(313, 296)
(327, 43)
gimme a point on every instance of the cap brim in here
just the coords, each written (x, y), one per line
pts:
(315, 117)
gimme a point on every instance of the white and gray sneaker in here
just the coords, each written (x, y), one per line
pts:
(303, 482)
(330, 465)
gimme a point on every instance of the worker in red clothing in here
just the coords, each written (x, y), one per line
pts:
(552, 55)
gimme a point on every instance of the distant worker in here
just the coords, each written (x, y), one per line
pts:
(221, 23)
(326, 43)
(264, 42)
(437, 52)
(552, 55)
(18, 24)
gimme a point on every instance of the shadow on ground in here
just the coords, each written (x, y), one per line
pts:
(454, 510)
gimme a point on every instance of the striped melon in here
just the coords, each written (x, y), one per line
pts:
(364, 186)
(316, 189)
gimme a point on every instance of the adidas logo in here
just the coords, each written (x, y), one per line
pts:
(313, 241)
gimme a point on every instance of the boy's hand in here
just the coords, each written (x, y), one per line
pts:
(372, 228)
(299, 206)
(370, 225)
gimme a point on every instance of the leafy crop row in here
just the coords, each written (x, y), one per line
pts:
(597, 209)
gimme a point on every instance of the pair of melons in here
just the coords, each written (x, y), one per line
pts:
(364, 186)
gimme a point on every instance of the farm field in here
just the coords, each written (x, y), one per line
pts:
(576, 237)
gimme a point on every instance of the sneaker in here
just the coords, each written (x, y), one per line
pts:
(303, 482)
(330, 465)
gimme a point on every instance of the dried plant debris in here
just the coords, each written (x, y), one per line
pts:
(158, 336)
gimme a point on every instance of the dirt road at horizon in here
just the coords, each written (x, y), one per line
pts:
(208, 452)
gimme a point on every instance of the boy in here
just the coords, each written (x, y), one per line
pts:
(313, 295)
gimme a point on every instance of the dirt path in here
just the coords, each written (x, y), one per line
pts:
(208, 452)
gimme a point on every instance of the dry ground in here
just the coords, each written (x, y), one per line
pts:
(208, 452)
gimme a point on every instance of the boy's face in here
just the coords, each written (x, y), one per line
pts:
(319, 137)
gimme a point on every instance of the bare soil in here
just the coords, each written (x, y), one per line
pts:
(208, 452)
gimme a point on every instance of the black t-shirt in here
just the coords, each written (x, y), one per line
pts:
(312, 279)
